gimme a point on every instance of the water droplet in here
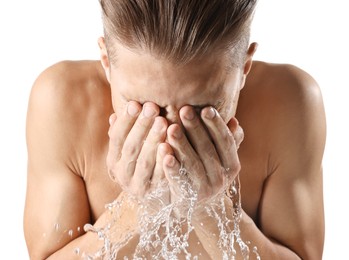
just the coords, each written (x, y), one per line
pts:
(77, 251)
(56, 226)
(70, 233)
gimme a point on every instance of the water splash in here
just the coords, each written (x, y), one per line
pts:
(165, 230)
(164, 226)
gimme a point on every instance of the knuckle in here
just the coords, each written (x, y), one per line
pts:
(143, 164)
(228, 138)
(112, 175)
(144, 123)
(235, 168)
(130, 150)
(239, 136)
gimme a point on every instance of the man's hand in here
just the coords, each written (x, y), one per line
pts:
(133, 157)
(206, 154)
(143, 148)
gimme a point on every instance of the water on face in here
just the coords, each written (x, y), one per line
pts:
(165, 226)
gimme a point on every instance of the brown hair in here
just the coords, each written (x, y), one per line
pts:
(178, 30)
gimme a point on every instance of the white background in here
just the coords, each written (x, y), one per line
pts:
(35, 34)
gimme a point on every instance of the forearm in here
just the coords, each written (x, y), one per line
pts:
(208, 233)
(266, 248)
(86, 244)
(114, 227)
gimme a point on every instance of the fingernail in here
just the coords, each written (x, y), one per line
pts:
(210, 113)
(132, 110)
(148, 111)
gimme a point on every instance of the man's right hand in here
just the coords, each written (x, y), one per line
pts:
(134, 158)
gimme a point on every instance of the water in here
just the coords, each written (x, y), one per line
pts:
(164, 227)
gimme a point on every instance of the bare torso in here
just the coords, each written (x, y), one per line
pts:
(280, 110)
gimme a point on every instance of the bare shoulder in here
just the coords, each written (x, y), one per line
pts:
(283, 84)
(65, 99)
(68, 81)
(282, 99)
(285, 104)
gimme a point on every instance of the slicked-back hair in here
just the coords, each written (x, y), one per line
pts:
(178, 30)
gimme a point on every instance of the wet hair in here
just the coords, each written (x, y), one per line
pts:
(179, 30)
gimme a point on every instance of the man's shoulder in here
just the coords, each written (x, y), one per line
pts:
(69, 100)
(280, 105)
(282, 80)
(69, 86)
(70, 76)
(280, 88)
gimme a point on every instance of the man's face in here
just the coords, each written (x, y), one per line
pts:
(141, 77)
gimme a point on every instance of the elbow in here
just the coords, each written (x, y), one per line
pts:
(38, 250)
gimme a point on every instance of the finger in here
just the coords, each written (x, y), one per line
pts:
(186, 155)
(202, 144)
(137, 135)
(147, 158)
(120, 127)
(118, 131)
(237, 131)
(223, 139)
(171, 168)
(112, 119)
(159, 173)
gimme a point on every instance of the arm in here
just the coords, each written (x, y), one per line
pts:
(293, 192)
(291, 218)
(57, 205)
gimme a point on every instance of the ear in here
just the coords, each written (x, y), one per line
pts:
(248, 62)
(104, 57)
(249, 57)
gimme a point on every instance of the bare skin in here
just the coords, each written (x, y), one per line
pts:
(78, 114)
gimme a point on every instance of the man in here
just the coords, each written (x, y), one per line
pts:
(173, 78)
